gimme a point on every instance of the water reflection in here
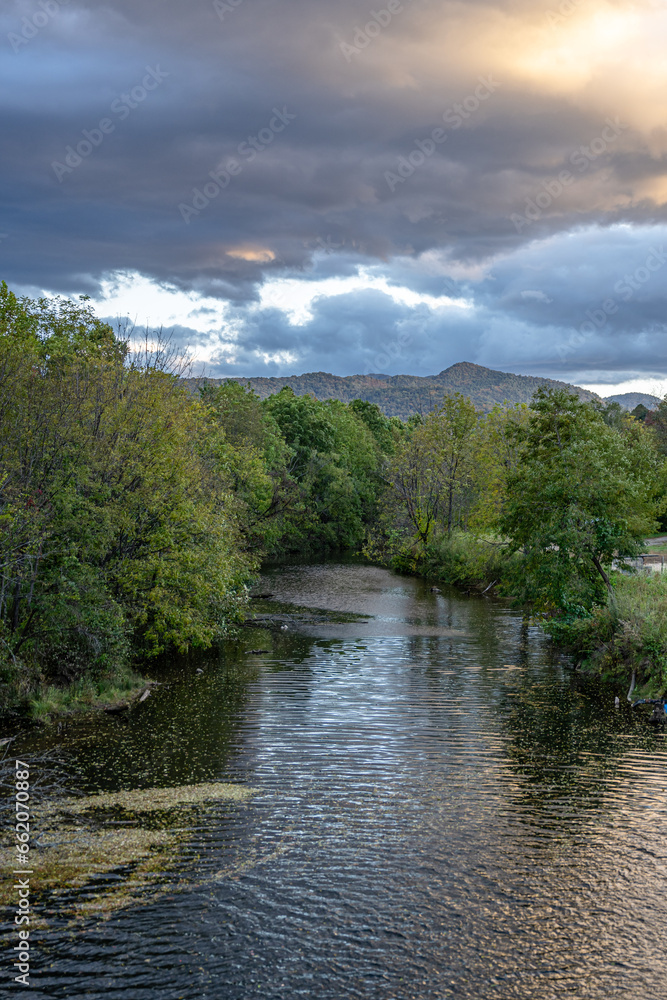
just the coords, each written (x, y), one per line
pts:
(443, 812)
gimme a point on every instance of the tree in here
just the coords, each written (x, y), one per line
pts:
(582, 495)
(379, 425)
(112, 526)
(244, 443)
(611, 412)
(497, 455)
(431, 468)
(657, 421)
(336, 464)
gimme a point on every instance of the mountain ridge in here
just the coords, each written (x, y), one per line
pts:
(628, 400)
(404, 395)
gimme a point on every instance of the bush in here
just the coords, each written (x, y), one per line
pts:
(86, 640)
(462, 559)
(628, 634)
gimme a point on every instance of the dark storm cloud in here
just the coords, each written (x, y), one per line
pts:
(360, 331)
(590, 304)
(433, 130)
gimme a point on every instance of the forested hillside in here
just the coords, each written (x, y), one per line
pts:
(404, 395)
(628, 400)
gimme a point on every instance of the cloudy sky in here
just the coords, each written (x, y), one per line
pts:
(306, 185)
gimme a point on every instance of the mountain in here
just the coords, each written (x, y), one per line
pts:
(404, 395)
(628, 400)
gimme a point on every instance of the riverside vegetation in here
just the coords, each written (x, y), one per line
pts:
(136, 512)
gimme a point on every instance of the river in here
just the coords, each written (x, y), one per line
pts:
(441, 810)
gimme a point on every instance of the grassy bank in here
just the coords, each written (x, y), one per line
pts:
(461, 560)
(626, 637)
(27, 694)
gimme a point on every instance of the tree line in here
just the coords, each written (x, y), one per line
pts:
(135, 513)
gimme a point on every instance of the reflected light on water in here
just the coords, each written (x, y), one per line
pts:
(442, 811)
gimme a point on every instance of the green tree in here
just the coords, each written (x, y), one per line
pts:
(245, 445)
(112, 526)
(497, 454)
(336, 464)
(612, 413)
(657, 421)
(581, 495)
(380, 426)
(431, 470)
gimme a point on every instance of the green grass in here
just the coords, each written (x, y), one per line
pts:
(87, 693)
(462, 560)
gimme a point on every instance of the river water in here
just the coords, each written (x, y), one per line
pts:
(441, 811)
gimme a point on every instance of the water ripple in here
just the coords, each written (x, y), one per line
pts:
(442, 812)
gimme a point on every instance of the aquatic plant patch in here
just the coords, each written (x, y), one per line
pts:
(78, 843)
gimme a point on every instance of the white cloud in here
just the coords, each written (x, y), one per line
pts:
(149, 304)
(655, 387)
(295, 296)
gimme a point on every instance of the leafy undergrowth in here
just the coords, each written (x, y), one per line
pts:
(49, 701)
(28, 693)
(462, 560)
(627, 636)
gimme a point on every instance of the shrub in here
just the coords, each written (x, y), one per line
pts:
(628, 634)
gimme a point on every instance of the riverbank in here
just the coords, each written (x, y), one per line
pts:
(625, 638)
(463, 561)
(33, 701)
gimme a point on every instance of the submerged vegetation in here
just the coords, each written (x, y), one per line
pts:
(130, 836)
(136, 506)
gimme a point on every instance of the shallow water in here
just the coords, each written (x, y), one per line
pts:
(441, 811)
